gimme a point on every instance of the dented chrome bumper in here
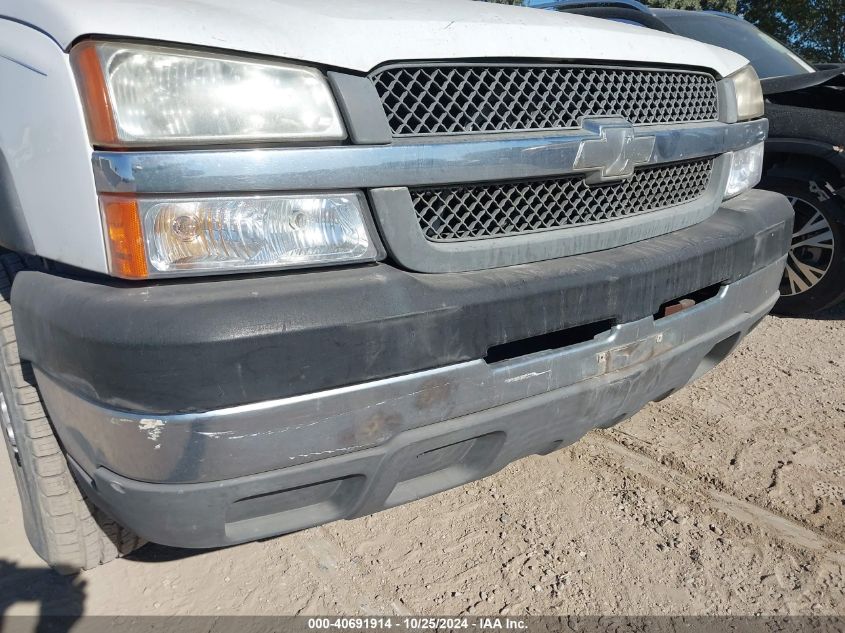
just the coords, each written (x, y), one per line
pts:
(279, 466)
(303, 429)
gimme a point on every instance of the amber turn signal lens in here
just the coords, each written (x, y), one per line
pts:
(124, 237)
(92, 87)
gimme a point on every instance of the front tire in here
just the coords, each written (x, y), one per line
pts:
(814, 278)
(62, 526)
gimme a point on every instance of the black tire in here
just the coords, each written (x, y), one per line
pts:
(68, 532)
(814, 278)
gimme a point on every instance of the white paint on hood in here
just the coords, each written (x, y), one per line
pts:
(361, 34)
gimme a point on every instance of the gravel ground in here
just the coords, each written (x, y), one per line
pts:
(727, 498)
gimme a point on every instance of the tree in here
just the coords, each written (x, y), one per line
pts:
(696, 5)
(812, 28)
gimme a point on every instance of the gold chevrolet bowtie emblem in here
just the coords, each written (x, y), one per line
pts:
(614, 155)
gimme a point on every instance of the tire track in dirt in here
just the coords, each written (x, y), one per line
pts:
(783, 527)
(332, 565)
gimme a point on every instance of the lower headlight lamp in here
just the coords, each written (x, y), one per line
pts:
(167, 237)
(746, 170)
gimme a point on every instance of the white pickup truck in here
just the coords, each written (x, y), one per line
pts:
(274, 263)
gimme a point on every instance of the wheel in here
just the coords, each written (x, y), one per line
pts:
(68, 532)
(814, 278)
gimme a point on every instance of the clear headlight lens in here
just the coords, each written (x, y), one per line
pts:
(746, 170)
(136, 94)
(153, 238)
(749, 94)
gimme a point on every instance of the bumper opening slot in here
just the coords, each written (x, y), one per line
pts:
(445, 467)
(687, 301)
(294, 508)
(547, 342)
(716, 355)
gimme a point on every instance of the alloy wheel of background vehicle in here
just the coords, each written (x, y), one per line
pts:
(814, 278)
(64, 529)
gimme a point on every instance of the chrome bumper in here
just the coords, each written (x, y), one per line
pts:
(596, 383)
(350, 452)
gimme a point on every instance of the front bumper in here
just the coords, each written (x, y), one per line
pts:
(381, 437)
(378, 445)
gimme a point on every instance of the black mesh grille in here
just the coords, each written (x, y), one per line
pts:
(421, 100)
(479, 211)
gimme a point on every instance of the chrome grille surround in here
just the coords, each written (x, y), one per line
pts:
(438, 99)
(388, 169)
(472, 212)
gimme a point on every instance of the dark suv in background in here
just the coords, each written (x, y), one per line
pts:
(805, 153)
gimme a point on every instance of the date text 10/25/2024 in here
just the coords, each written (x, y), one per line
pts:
(419, 624)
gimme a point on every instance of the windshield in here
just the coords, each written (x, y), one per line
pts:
(769, 57)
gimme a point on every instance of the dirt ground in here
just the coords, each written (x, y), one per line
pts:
(727, 498)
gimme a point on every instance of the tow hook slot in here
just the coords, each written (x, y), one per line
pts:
(687, 301)
(547, 342)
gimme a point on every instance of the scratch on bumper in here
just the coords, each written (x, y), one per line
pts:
(617, 371)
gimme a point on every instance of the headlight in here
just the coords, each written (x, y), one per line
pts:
(746, 170)
(165, 237)
(148, 95)
(749, 94)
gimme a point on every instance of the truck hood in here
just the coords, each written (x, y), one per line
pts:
(361, 34)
